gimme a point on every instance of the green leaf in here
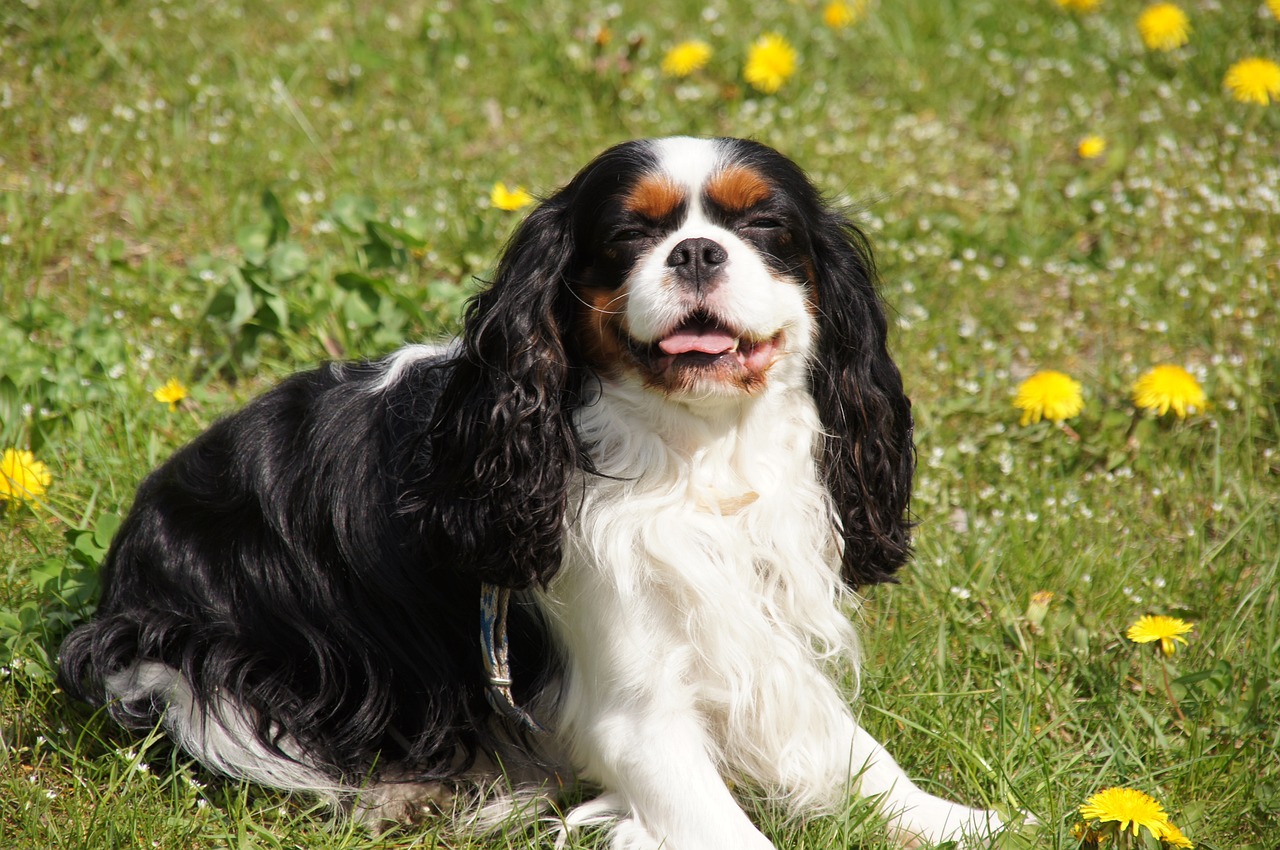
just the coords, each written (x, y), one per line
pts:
(287, 261)
(356, 280)
(358, 312)
(243, 304)
(85, 547)
(395, 236)
(1115, 420)
(9, 623)
(1194, 678)
(29, 616)
(253, 240)
(275, 213)
(47, 573)
(105, 529)
(350, 212)
(10, 409)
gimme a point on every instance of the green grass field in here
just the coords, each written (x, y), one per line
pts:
(222, 192)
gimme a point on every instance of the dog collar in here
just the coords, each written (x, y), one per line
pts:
(497, 667)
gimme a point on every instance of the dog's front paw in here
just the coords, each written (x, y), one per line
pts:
(629, 834)
(923, 820)
(730, 830)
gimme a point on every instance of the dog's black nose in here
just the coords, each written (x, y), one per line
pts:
(697, 261)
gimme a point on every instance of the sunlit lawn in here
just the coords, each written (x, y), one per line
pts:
(222, 192)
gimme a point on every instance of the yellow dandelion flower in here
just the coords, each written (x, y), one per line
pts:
(1038, 607)
(1127, 807)
(1172, 836)
(171, 393)
(1078, 5)
(509, 199)
(1274, 6)
(1158, 627)
(1254, 81)
(22, 477)
(770, 62)
(1091, 147)
(1048, 395)
(1164, 27)
(838, 14)
(685, 58)
(1165, 387)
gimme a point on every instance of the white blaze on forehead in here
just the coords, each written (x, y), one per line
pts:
(689, 163)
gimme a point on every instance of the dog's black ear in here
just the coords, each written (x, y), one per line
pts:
(867, 457)
(503, 449)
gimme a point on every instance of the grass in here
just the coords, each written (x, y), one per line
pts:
(225, 192)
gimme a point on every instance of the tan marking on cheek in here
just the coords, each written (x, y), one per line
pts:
(738, 188)
(654, 197)
(600, 327)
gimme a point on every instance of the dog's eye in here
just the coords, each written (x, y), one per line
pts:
(762, 223)
(629, 234)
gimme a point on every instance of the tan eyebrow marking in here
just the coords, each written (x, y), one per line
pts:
(738, 188)
(654, 197)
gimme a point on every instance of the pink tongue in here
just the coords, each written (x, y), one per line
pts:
(703, 340)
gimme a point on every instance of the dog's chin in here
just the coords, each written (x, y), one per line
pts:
(703, 358)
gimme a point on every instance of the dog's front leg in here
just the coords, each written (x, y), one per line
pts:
(916, 818)
(655, 762)
(629, 717)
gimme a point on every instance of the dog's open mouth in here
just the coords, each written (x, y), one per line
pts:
(705, 344)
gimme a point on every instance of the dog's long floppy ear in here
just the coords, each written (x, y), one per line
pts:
(503, 449)
(868, 457)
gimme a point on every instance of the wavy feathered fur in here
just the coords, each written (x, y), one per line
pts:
(671, 425)
(271, 560)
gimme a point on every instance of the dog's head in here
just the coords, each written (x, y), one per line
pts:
(701, 270)
(693, 267)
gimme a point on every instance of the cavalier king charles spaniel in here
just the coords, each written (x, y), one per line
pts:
(605, 542)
